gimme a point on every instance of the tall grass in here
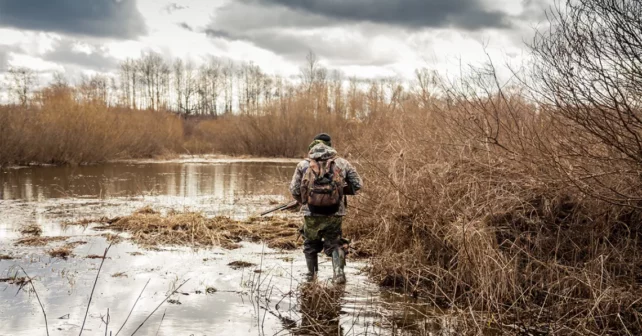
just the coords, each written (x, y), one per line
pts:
(469, 202)
(57, 128)
(279, 129)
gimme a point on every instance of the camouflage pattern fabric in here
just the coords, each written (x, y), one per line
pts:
(321, 151)
(321, 233)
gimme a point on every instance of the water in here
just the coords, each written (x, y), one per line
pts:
(258, 300)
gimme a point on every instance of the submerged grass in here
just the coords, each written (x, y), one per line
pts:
(39, 241)
(62, 252)
(320, 308)
(240, 264)
(150, 229)
(18, 281)
(32, 229)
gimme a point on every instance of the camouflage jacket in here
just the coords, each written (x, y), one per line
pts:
(323, 152)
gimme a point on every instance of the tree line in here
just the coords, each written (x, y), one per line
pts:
(216, 87)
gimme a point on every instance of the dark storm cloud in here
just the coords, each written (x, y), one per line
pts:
(465, 14)
(278, 29)
(99, 18)
(63, 53)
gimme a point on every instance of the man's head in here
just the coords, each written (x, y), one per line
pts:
(323, 138)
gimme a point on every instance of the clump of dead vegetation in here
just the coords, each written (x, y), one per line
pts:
(320, 308)
(5, 257)
(18, 281)
(62, 252)
(150, 228)
(39, 241)
(240, 264)
(32, 229)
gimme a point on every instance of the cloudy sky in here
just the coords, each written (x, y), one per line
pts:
(365, 38)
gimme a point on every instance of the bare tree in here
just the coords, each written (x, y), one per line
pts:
(22, 81)
(178, 68)
(589, 69)
(310, 71)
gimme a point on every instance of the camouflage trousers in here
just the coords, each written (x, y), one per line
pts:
(321, 233)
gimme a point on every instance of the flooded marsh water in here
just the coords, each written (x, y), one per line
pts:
(215, 298)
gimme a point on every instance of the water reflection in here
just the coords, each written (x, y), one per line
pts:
(222, 180)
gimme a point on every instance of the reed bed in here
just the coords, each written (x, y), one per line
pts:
(150, 228)
(56, 128)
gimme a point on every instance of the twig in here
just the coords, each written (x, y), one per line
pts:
(160, 304)
(161, 322)
(134, 306)
(93, 288)
(37, 297)
(107, 322)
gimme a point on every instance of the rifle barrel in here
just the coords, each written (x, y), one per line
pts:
(280, 207)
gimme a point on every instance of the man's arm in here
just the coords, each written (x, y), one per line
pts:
(295, 184)
(352, 177)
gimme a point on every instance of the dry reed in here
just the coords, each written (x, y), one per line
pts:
(56, 128)
(62, 252)
(320, 308)
(149, 228)
(38, 241)
(32, 229)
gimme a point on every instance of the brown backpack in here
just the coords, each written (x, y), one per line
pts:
(322, 187)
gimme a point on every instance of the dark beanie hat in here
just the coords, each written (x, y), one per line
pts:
(325, 137)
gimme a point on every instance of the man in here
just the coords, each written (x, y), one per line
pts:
(314, 185)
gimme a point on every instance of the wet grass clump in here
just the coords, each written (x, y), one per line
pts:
(150, 228)
(62, 252)
(320, 308)
(240, 264)
(38, 241)
(18, 281)
(32, 229)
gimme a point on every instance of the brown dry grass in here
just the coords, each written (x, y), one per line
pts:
(149, 228)
(6, 257)
(56, 128)
(39, 241)
(32, 229)
(277, 130)
(18, 281)
(240, 264)
(62, 252)
(320, 308)
(469, 204)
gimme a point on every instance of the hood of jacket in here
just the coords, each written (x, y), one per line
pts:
(322, 152)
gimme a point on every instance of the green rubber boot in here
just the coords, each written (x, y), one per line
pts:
(312, 261)
(338, 262)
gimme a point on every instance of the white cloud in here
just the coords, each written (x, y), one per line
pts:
(277, 38)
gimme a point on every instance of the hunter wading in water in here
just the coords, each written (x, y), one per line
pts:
(318, 184)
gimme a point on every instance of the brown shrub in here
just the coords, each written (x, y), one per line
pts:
(56, 128)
